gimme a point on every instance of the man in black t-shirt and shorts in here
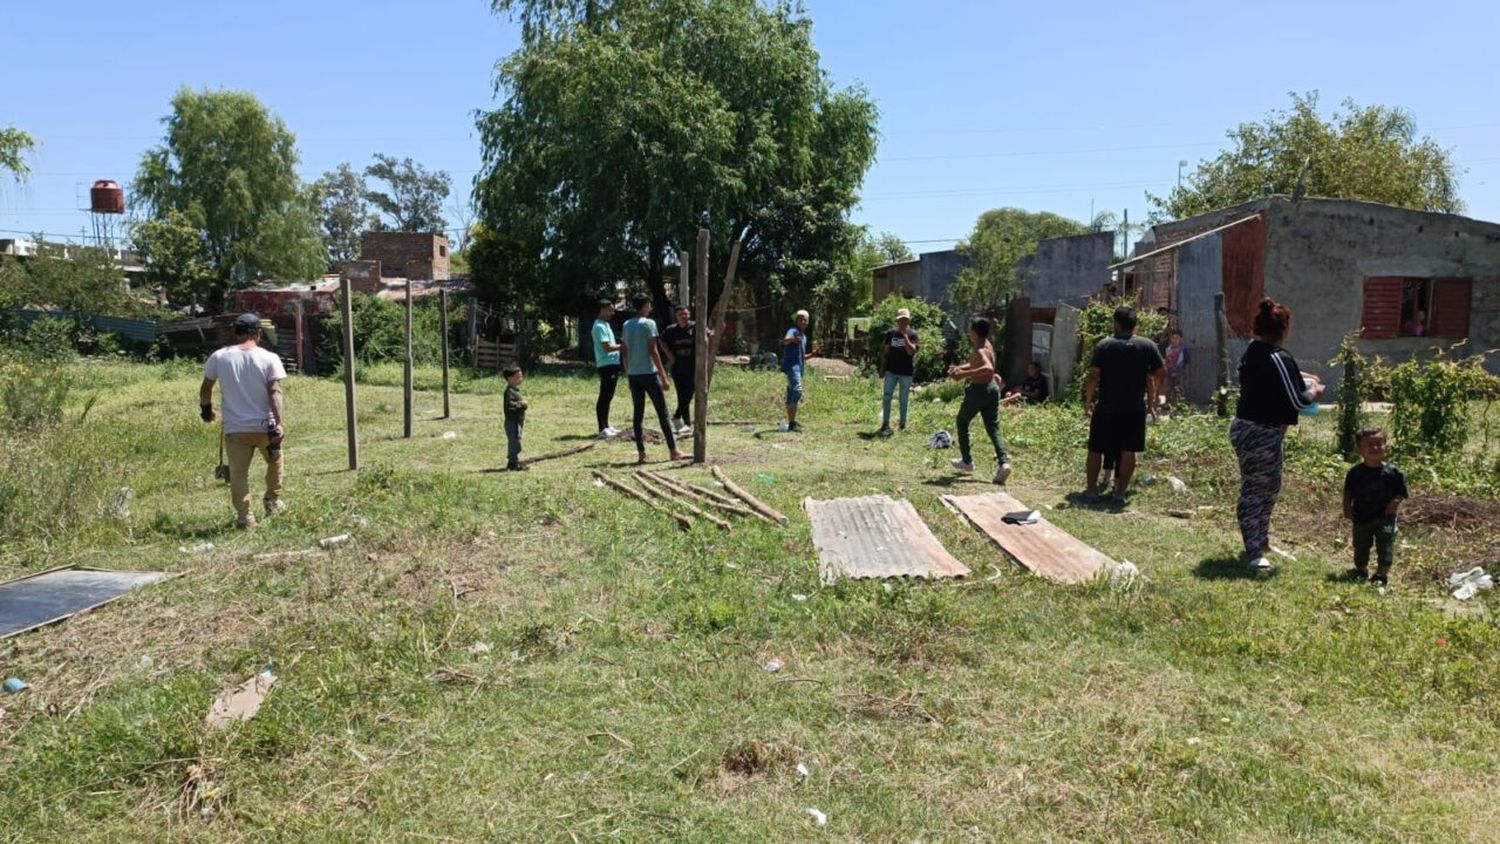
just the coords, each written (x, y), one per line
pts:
(1124, 376)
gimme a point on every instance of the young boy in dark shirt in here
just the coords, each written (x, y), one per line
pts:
(1373, 492)
(515, 417)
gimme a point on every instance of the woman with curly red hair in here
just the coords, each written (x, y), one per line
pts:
(1273, 391)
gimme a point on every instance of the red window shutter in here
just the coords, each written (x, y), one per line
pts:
(1382, 311)
(1450, 308)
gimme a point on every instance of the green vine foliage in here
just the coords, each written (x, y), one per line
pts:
(1096, 322)
(1352, 392)
(1430, 402)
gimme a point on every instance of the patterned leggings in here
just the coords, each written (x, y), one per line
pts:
(1259, 448)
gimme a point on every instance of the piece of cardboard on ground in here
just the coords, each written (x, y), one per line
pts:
(37, 600)
(241, 702)
(1042, 548)
(876, 537)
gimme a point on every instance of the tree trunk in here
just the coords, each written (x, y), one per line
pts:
(658, 288)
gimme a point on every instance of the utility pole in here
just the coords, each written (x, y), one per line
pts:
(347, 288)
(406, 380)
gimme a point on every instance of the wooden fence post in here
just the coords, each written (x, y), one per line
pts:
(443, 319)
(406, 385)
(347, 289)
(1221, 332)
(702, 354)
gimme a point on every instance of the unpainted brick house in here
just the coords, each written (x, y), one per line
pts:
(1410, 282)
(407, 254)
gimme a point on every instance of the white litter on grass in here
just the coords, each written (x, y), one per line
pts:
(200, 548)
(1283, 554)
(479, 648)
(1194, 741)
(333, 541)
(147, 661)
(1125, 572)
(798, 597)
(361, 522)
(1176, 483)
(820, 820)
(803, 771)
(1467, 584)
(774, 666)
(942, 439)
(120, 506)
(450, 435)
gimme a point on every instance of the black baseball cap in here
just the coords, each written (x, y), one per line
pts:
(247, 321)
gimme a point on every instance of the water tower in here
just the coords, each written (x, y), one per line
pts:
(106, 205)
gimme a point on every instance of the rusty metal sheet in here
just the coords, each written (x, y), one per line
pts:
(1043, 548)
(876, 536)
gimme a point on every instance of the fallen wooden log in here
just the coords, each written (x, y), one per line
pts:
(683, 522)
(648, 484)
(755, 503)
(719, 502)
(577, 449)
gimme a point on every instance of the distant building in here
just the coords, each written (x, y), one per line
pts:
(929, 276)
(1409, 281)
(407, 254)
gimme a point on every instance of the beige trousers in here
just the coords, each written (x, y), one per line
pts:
(241, 449)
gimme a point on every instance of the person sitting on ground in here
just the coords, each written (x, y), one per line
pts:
(1273, 391)
(607, 361)
(793, 358)
(1123, 374)
(641, 355)
(982, 398)
(249, 380)
(515, 417)
(1033, 389)
(898, 363)
(1373, 492)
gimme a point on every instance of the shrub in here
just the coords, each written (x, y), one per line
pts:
(32, 393)
(1352, 391)
(926, 319)
(1430, 402)
(1096, 322)
(380, 333)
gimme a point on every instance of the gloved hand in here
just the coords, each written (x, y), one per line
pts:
(206, 411)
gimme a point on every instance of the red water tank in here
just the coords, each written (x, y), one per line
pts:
(107, 197)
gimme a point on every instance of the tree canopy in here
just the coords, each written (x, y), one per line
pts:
(414, 199)
(344, 213)
(627, 125)
(229, 167)
(1001, 239)
(14, 144)
(1370, 153)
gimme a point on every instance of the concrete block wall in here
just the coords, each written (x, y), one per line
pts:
(423, 253)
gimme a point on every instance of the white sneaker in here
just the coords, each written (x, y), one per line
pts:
(608, 434)
(684, 428)
(784, 427)
(961, 467)
(1260, 564)
(1002, 474)
(273, 506)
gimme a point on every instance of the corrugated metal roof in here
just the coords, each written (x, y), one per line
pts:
(876, 536)
(1042, 548)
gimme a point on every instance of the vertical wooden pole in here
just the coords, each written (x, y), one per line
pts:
(443, 320)
(297, 344)
(347, 289)
(702, 353)
(406, 380)
(1221, 336)
(684, 286)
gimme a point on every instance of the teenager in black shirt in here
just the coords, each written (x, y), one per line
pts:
(1373, 492)
(678, 343)
(898, 363)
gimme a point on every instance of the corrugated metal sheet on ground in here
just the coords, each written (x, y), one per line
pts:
(876, 536)
(1043, 548)
(27, 603)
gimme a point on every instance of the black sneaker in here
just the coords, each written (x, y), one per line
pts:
(514, 467)
(1357, 574)
(795, 427)
(884, 431)
(1379, 579)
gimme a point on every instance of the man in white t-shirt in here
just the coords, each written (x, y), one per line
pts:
(249, 379)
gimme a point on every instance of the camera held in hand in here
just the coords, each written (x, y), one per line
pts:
(275, 435)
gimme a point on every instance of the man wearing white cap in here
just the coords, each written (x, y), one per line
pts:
(898, 364)
(793, 356)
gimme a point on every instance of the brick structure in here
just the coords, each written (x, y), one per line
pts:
(417, 254)
(364, 276)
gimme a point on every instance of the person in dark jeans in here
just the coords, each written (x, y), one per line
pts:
(647, 377)
(679, 342)
(981, 398)
(515, 417)
(607, 359)
(1124, 377)
(1373, 492)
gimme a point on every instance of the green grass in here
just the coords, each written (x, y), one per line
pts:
(622, 694)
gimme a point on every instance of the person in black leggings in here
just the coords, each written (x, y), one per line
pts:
(641, 356)
(678, 342)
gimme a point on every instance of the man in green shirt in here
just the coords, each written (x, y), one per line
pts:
(607, 359)
(646, 374)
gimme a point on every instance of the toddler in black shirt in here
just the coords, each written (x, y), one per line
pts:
(1373, 492)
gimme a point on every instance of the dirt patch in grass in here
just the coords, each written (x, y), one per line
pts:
(1454, 512)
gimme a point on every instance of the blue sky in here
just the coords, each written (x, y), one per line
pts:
(1064, 107)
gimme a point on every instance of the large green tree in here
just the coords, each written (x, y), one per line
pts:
(14, 144)
(229, 166)
(413, 198)
(171, 247)
(344, 212)
(627, 125)
(1371, 153)
(992, 252)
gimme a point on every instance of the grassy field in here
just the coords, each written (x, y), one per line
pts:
(622, 694)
